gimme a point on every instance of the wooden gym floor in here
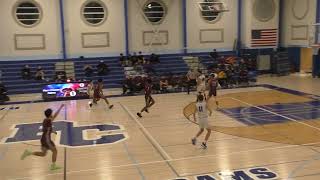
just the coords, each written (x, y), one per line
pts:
(263, 132)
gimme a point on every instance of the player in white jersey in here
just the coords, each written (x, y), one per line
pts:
(90, 91)
(201, 85)
(202, 112)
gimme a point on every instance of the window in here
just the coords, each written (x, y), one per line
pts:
(208, 12)
(154, 11)
(94, 12)
(27, 13)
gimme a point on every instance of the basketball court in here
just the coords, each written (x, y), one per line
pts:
(262, 132)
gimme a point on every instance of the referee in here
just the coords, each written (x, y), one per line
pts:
(191, 77)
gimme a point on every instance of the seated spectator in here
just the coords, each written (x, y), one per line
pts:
(243, 76)
(26, 72)
(88, 70)
(134, 59)
(214, 55)
(128, 61)
(148, 68)
(128, 85)
(154, 58)
(122, 60)
(3, 93)
(242, 64)
(61, 76)
(102, 69)
(39, 73)
(164, 84)
(70, 79)
(230, 76)
(140, 58)
(222, 78)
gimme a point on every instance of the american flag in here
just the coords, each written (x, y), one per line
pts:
(264, 37)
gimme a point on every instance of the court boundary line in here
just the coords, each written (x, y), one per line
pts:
(271, 112)
(65, 148)
(146, 132)
(129, 154)
(178, 159)
(314, 158)
(6, 149)
(154, 142)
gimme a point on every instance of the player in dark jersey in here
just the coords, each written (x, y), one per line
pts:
(213, 85)
(148, 98)
(46, 142)
(98, 94)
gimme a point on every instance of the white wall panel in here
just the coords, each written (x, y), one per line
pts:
(207, 40)
(49, 26)
(298, 15)
(75, 27)
(171, 24)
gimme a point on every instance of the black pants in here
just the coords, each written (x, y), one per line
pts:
(191, 82)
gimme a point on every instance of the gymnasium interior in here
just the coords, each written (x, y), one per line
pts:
(264, 55)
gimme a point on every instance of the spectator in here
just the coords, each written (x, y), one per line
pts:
(140, 58)
(222, 78)
(164, 84)
(128, 85)
(148, 68)
(230, 76)
(3, 93)
(129, 62)
(243, 76)
(122, 60)
(242, 64)
(134, 59)
(102, 68)
(214, 55)
(26, 72)
(88, 70)
(61, 76)
(39, 73)
(154, 58)
(191, 79)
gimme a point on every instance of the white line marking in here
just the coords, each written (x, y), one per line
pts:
(153, 141)
(173, 160)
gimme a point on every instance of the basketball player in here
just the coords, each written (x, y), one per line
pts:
(201, 84)
(90, 90)
(98, 94)
(46, 142)
(202, 112)
(213, 85)
(149, 100)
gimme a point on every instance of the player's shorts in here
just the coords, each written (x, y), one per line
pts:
(148, 98)
(201, 88)
(97, 96)
(90, 94)
(203, 122)
(47, 144)
(213, 93)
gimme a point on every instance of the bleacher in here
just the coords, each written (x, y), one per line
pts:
(171, 64)
(112, 80)
(206, 60)
(11, 75)
(11, 72)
